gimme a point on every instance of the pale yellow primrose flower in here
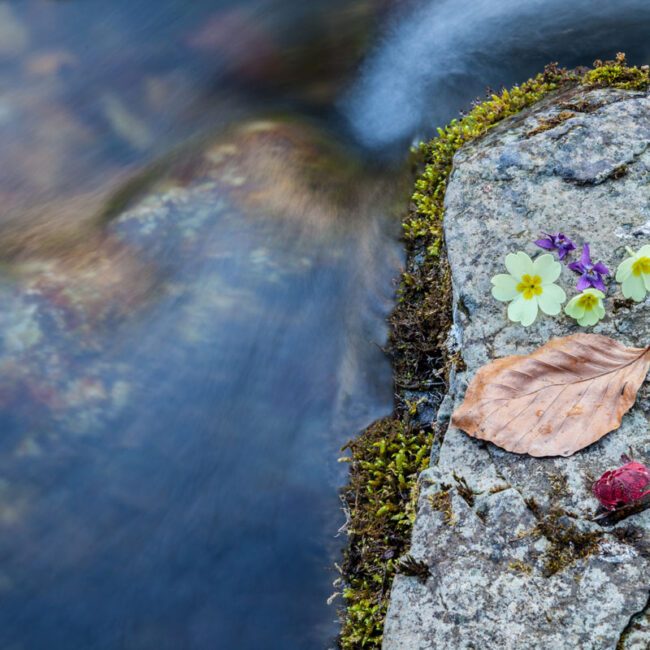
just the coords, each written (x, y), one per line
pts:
(634, 273)
(529, 287)
(587, 307)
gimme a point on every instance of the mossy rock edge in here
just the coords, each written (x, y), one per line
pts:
(387, 458)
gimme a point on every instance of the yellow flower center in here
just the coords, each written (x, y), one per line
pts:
(642, 265)
(530, 285)
(588, 301)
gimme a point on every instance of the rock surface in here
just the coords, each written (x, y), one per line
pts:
(507, 572)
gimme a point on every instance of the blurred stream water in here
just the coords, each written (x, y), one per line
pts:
(199, 237)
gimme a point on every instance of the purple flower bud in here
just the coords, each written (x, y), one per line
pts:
(591, 275)
(558, 242)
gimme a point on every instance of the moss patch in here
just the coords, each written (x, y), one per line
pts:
(441, 502)
(386, 458)
(464, 490)
(519, 566)
(409, 566)
(567, 543)
(550, 123)
(384, 465)
(617, 74)
(430, 189)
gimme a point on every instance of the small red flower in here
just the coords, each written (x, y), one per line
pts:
(616, 487)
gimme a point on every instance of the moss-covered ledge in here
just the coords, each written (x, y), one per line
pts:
(387, 458)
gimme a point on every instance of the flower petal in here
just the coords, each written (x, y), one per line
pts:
(515, 308)
(590, 318)
(624, 269)
(519, 264)
(601, 268)
(529, 312)
(646, 280)
(577, 267)
(523, 311)
(598, 284)
(634, 287)
(505, 287)
(585, 258)
(574, 309)
(583, 283)
(550, 302)
(644, 251)
(546, 244)
(547, 268)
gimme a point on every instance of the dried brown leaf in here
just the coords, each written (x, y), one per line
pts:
(557, 400)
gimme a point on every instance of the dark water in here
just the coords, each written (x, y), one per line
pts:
(174, 485)
(442, 54)
(199, 230)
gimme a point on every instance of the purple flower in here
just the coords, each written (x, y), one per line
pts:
(591, 275)
(557, 242)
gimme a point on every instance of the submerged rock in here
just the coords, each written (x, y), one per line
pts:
(515, 558)
(215, 240)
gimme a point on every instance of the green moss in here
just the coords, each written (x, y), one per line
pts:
(385, 463)
(464, 490)
(409, 566)
(551, 123)
(617, 74)
(388, 456)
(567, 542)
(430, 188)
(441, 502)
(520, 567)
(559, 487)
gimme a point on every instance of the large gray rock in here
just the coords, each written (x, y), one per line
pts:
(508, 572)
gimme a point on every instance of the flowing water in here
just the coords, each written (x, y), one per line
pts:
(199, 235)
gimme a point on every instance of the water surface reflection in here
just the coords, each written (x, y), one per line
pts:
(194, 293)
(168, 474)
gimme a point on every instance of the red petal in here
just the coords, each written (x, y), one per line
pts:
(623, 485)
